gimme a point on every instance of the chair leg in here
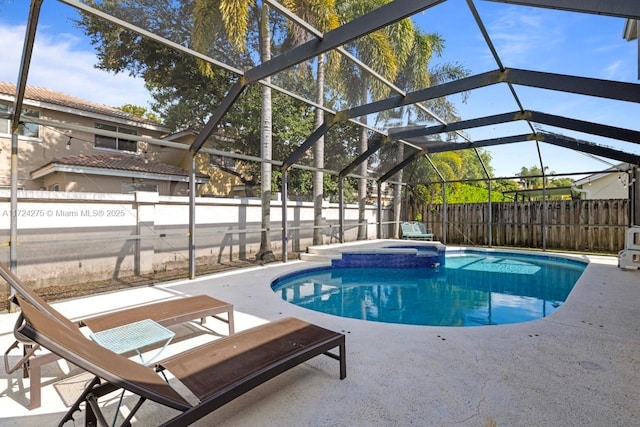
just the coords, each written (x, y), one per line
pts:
(35, 386)
(127, 421)
(35, 377)
(27, 351)
(343, 360)
(31, 365)
(93, 415)
(26, 354)
(228, 321)
(76, 405)
(232, 328)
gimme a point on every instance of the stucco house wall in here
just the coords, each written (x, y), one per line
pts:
(55, 143)
(606, 185)
(39, 158)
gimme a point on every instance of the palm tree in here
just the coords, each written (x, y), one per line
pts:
(235, 14)
(266, 143)
(414, 76)
(383, 51)
(322, 15)
(401, 54)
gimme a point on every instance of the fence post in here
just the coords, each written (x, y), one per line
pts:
(145, 204)
(379, 212)
(340, 209)
(444, 213)
(489, 220)
(285, 197)
(543, 218)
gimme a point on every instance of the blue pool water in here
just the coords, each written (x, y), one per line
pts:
(469, 288)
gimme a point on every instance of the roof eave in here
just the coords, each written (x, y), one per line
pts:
(618, 168)
(55, 167)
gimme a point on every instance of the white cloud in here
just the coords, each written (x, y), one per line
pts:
(612, 71)
(520, 34)
(58, 64)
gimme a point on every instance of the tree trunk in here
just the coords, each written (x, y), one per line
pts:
(318, 159)
(362, 182)
(266, 132)
(397, 193)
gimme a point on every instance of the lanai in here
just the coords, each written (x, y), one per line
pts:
(421, 140)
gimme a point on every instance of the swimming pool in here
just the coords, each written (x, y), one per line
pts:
(461, 288)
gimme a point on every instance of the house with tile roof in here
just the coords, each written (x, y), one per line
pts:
(74, 145)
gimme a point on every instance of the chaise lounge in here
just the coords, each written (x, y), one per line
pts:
(215, 373)
(415, 231)
(166, 313)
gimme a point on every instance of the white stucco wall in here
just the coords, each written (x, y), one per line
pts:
(609, 186)
(72, 237)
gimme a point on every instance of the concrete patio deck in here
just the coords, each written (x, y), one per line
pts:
(580, 366)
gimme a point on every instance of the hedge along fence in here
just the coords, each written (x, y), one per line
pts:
(574, 225)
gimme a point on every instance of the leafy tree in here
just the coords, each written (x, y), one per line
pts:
(413, 76)
(453, 166)
(139, 111)
(472, 193)
(182, 96)
(561, 182)
(235, 17)
(530, 177)
(186, 90)
(502, 185)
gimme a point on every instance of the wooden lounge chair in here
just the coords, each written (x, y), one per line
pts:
(166, 313)
(415, 231)
(215, 373)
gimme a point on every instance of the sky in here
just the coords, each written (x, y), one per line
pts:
(540, 40)
(63, 58)
(527, 38)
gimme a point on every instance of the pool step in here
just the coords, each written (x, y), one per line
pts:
(315, 257)
(328, 253)
(321, 254)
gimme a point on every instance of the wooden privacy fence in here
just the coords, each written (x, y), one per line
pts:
(575, 225)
